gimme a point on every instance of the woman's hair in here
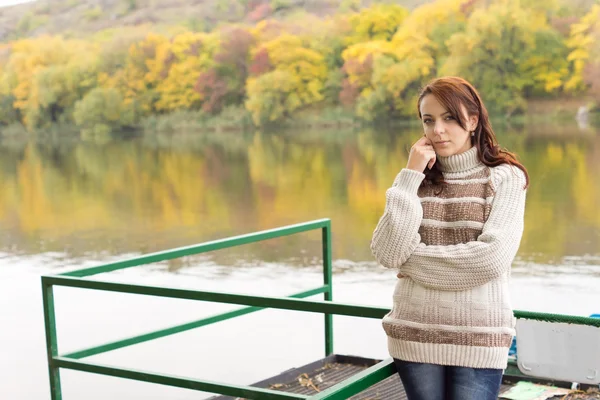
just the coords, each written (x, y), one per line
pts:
(452, 92)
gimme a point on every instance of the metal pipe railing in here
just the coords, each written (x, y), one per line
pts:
(76, 279)
(296, 302)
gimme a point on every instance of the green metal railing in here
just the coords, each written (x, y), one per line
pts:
(297, 302)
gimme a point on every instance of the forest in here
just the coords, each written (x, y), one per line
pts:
(265, 68)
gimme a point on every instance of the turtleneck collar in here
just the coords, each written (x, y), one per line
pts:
(460, 162)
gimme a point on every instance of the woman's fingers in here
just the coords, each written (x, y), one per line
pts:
(431, 162)
(422, 155)
(422, 142)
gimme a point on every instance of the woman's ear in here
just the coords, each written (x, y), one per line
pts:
(473, 121)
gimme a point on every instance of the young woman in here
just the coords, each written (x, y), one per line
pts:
(452, 225)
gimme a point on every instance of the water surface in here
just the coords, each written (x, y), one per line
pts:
(67, 203)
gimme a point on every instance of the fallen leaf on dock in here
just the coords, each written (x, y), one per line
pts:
(306, 381)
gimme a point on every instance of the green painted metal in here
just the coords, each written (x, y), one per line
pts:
(358, 382)
(567, 319)
(178, 329)
(247, 392)
(73, 279)
(220, 297)
(342, 390)
(201, 248)
(512, 369)
(51, 341)
(328, 281)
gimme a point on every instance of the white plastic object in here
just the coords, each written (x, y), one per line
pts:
(559, 351)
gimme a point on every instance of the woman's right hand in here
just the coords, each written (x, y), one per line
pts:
(421, 155)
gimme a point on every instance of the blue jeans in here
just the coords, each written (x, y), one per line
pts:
(439, 382)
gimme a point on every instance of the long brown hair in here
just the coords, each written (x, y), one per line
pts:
(452, 92)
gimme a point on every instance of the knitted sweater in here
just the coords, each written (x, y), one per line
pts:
(455, 249)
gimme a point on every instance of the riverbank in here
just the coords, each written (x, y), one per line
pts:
(550, 110)
(237, 119)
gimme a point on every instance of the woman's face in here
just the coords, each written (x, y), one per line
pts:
(445, 133)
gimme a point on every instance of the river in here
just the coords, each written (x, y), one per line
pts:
(67, 203)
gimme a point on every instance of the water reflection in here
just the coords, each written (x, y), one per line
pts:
(149, 194)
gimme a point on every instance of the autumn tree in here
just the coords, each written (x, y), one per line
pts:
(358, 77)
(359, 86)
(584, 56)
(504, 51)
(102, 111)
(46, 76)
(328, 37)
(383, 76)
(178, 68)
(296, 81)
(378, 22)
(57, 88)
(134, 81)
(225, 82)
(261, 63)
(372, 60)
(8, 114)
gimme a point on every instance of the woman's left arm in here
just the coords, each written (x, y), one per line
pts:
(468, 265)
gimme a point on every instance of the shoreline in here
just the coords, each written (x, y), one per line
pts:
(544, 111)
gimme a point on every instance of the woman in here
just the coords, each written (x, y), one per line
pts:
(452, 225)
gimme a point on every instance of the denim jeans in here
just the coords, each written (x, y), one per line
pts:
(439, 382)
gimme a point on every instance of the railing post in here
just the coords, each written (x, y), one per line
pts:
(51, 340)
(327, 280)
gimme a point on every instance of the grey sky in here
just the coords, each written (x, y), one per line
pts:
(11, 2)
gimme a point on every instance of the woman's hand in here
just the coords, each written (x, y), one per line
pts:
(421, 155)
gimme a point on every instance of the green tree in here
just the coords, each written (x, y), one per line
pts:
(378, 22)
(8, 114)
(297, 80)
(584, 47)
(58, 87)
(383, 76)
(46, 75)
(501, 53)
(103, 110)
(271, 97)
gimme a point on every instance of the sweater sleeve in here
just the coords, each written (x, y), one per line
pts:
(468, 265)
(396, 234)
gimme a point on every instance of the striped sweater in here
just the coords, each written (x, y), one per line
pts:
(454, 250)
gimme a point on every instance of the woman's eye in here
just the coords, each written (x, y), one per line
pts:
(449, 118)
(426, 121)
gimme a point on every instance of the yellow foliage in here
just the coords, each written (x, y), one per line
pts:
(400, 63)
(505, 50)
(154, 55)
(7, 80)
(297, 80)
(387, 52)
(399, 77)
(584, 34)
(417, 28)
(271, 96)
(373, 48)
(267, 30)
(187, 56)
(289, 52)
(161, 73)
(378, 22)
(29, 58)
